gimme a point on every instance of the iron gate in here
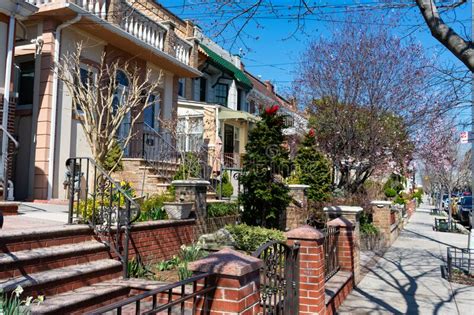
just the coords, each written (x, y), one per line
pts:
(279, 278)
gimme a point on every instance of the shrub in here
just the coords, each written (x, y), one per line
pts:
(221, 209)
(368, 229)
(399, 200)
(152, 207)
(390, 192)
(249, 238)
(265, 164)
(112, 157)
(227, 188)
(313, 169)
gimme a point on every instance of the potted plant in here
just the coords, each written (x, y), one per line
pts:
(178, 210)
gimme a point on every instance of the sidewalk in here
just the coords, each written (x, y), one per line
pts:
(408, 278)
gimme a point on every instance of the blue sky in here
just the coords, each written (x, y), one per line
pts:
(269, 53)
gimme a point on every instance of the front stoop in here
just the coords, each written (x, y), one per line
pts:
(9, 207)
(144, 178)
(66, 264)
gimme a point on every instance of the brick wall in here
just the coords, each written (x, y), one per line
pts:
(159, 240)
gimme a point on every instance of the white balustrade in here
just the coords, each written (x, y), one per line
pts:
(183, 51)
(134, 23)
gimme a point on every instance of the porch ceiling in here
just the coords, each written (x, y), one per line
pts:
(119, 38)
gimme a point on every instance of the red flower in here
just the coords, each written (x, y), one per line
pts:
(272, 110)
(312, 133)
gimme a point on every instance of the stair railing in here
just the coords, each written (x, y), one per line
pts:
(6, 160)
(98, 200)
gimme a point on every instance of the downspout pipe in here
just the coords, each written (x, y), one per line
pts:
(6, 98)
(54, 101)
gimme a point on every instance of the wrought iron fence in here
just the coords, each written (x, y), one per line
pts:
(331, 260)
(461, 259)
(176, 298)
(279, 278)
(96, 199)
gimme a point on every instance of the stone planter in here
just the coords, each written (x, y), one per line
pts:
(178, 210)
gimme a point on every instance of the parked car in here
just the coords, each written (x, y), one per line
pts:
(445, 202)
(465, 208)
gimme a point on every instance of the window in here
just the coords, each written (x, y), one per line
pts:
(203, 90)
(87, 77)
(190, 133)
(221, 91)
(152, 112)
(120, 96)
(252, 108)
(26, 83)
(181, 86)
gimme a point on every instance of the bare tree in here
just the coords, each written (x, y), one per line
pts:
(107, 107)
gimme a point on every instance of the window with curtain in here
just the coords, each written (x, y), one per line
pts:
(190, 133)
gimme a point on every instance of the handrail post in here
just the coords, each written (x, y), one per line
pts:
(71, 189)
(127, 239)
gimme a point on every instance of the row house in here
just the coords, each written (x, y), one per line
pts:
(12, 31)
(263, 95)
(216, 115)
(48, 129)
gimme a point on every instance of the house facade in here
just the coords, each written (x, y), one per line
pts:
(12, 31)
(46, 124)
(218, 106)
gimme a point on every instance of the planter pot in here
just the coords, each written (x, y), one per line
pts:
(178, 210)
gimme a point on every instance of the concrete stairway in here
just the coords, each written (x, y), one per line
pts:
(141, 174)
(66, 264)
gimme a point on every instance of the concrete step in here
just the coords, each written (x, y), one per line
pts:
(46, 258)
(83, 299)
(59, 280)
(19, 240)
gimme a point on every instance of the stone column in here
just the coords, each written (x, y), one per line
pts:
(381, 218)
(237, 280)
(347, 247)
(193, 190)
(311, 265)
(297, 211)
(170, 39)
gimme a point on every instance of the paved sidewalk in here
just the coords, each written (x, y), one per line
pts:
(408, 278)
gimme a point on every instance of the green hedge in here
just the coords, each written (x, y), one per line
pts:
(249, 238)
(221, 209)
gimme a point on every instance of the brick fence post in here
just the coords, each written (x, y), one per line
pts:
(237, 280)
(348, 247)
(381, 218)
(311, 264)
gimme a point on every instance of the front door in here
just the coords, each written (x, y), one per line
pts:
(228, 145)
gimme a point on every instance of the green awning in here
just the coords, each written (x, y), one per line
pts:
(225, 65)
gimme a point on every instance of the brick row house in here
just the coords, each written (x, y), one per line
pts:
(207, 99)
(46, 125)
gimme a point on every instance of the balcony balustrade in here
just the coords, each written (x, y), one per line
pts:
(131, 20)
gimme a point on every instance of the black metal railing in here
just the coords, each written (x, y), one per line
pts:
(331, 260)
(173, 298)
(9, 154)
(162, 154)
(461, 259)
(279, 278)
(98, 200)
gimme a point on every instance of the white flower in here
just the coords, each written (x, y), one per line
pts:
(18, 291)
(28, 301)
(40, 298)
